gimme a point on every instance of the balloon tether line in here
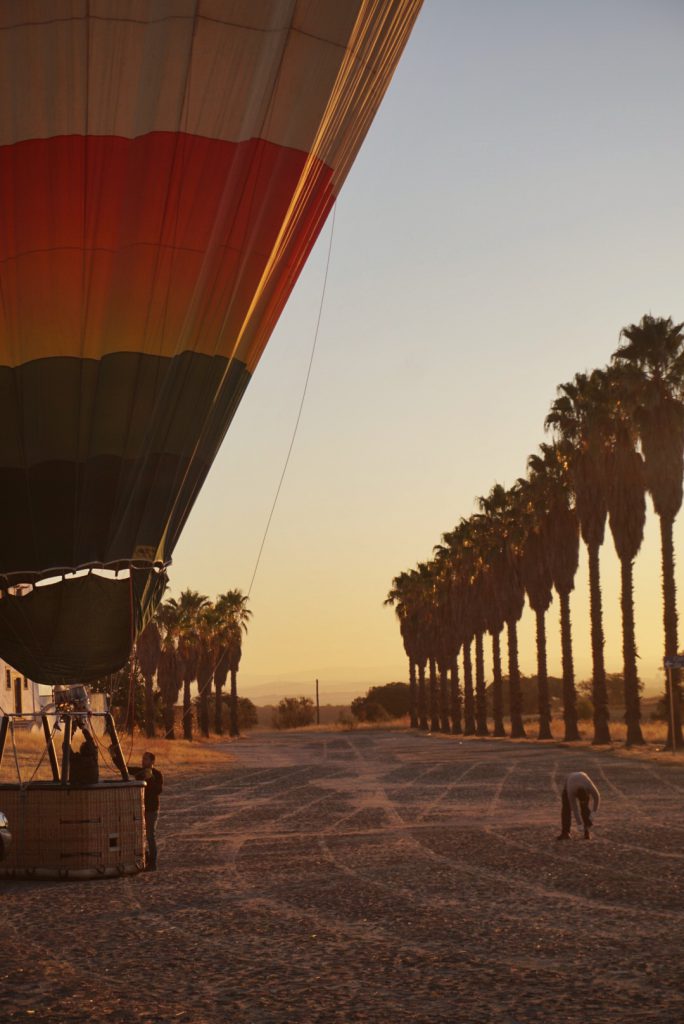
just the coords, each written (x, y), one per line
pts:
(301, 404)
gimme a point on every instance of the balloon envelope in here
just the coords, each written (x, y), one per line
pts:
(165, 168)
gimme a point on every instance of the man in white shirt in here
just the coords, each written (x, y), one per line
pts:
(577, 792)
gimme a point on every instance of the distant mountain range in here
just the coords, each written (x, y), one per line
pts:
(271, 693)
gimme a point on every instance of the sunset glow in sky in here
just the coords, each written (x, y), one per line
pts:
(517, 202)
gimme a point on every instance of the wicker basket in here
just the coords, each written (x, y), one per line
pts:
(74, 832)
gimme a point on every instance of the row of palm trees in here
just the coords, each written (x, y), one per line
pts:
(616, 433)
(192, 640)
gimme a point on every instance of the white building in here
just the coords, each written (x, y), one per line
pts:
(18, 695)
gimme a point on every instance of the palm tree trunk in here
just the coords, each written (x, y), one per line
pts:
(497, 686)
(517, 727)
(434, 698)
(670, 624)
(569, 692)
(422, 702)
(629, 656)
(543, 679)
(469, 702)
(444, 697)
(480, 695)
(599, 690)
(218, 706)
(413, 699)
(149, 708)
(204, 696)
(456, 709)
(187, 710)
(169, 721)
(234, 719)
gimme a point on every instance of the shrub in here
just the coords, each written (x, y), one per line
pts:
(293, 713)
(382, 702)
(369, 710)
(247, 713)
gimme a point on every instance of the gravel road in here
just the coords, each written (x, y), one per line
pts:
(372, 877)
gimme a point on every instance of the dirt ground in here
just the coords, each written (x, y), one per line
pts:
(371, 877)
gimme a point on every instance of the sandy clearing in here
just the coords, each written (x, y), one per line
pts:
(372, 877)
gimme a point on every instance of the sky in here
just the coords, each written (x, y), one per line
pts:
(517, 201)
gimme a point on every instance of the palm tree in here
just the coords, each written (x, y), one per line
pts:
(462, 541)
(626, 497)
(549, 470)
(430, 635)
(450, 553)
(168, 680)
(655, 349)
(494, 621)
(206, 625)
(170, 667)
(469, 727)
(536, 577)
(480, 620)
(499, 519)
(186, 612)
(233, 611)
(444, 633)
(578, 418)
(148, 652)
(400, 597)
(420, 604)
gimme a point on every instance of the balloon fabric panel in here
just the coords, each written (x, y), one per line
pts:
(165, 169)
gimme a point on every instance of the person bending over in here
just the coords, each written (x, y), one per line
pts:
(578, 791)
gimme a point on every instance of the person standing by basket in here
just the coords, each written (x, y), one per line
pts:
(154, 782)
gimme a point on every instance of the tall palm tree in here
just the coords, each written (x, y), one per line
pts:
(168, 680)
(549, 470)
(626, 497)
(430, 630)
(445, 634)
(478, 600)
(494, 621)
(469, 727)
(206, 625)
(233, 610)
(170, 667)
(450, 553)
(655, 349)
(420, 600)
(399, 597)
(499, 519)
(186, 612)
(536, 578)
(468, 566)
(148, 652)
(577, 417)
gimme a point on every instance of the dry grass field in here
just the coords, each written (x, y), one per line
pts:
(370, 877)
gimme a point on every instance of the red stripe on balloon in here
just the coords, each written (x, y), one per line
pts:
(153, 244)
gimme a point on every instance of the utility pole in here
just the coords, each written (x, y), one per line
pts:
(318, 707)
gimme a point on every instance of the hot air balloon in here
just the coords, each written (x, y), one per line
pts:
(165, 168)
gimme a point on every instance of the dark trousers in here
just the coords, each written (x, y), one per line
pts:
(566, 814)
(151, 831)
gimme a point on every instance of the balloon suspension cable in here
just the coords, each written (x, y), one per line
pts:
(130, 700)
(14, 751)
(301, 404)
(45, 750)
(107, 759)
